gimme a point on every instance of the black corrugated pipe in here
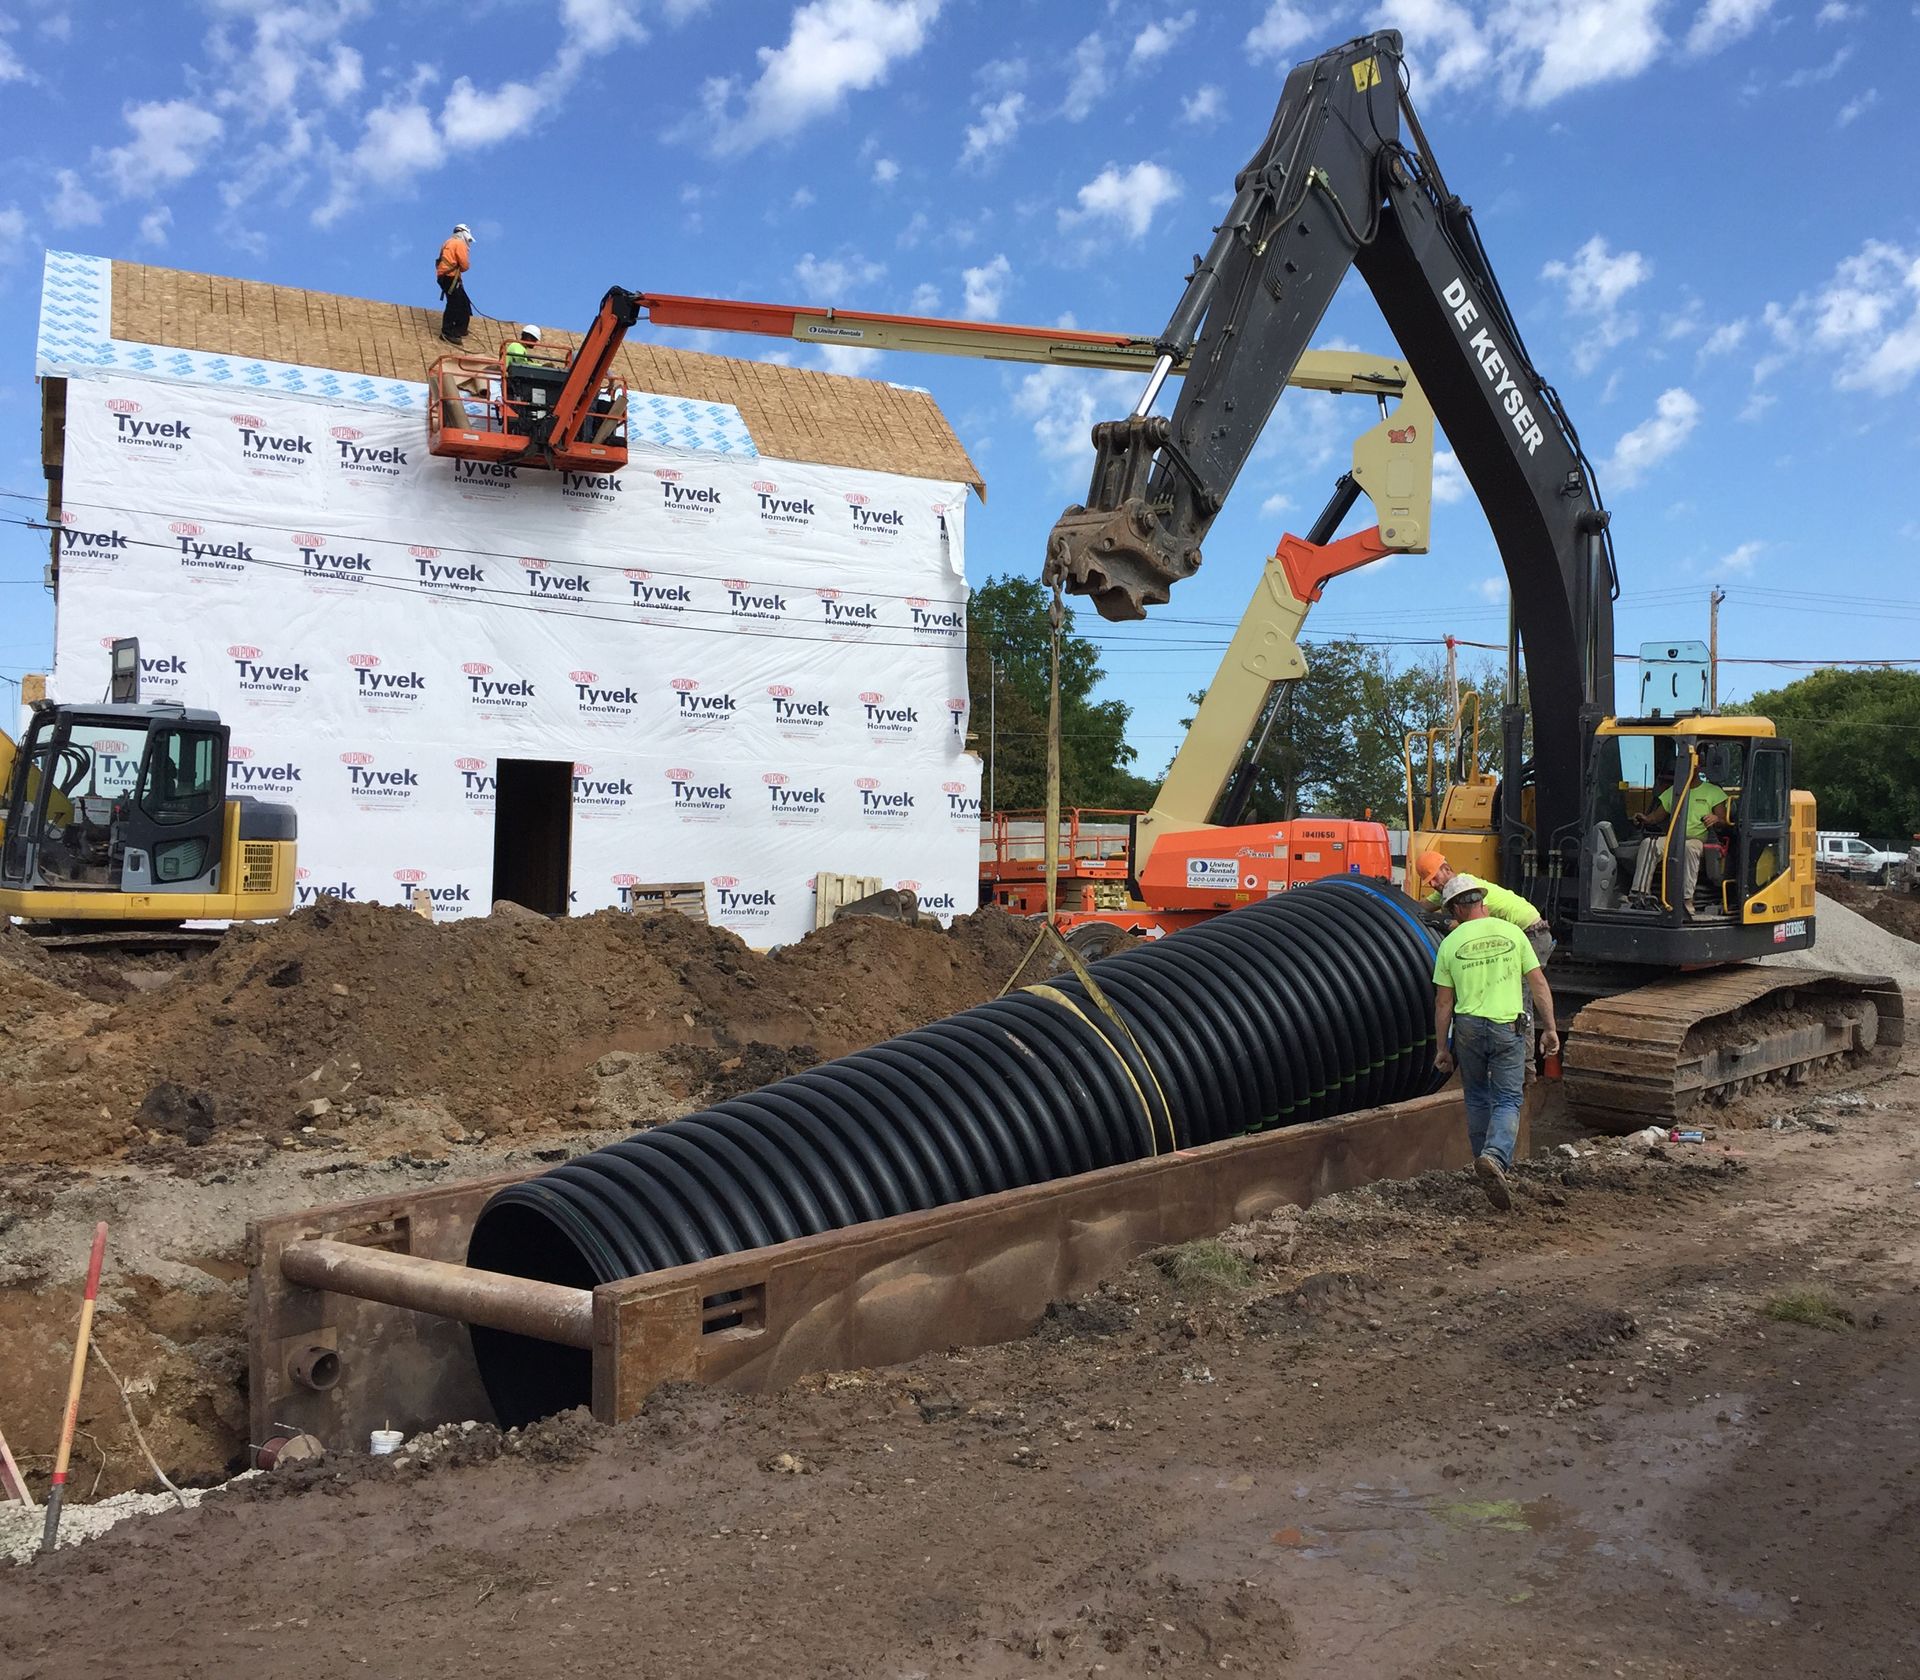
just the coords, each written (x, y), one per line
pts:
(1293, 1009)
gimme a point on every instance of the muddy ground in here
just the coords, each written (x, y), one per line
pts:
(1396, 1435)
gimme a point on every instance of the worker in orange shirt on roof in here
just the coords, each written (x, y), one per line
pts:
(450, 271)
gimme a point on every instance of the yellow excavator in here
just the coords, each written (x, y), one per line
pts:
(118, 826)
(1604, 821)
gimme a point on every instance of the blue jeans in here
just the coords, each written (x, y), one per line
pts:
(1493, 1065)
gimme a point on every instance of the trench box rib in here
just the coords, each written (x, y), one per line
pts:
(875, 1294)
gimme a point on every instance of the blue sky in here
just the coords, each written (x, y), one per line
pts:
(1703, 211)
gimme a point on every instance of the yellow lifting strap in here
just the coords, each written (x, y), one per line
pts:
(1050, 929)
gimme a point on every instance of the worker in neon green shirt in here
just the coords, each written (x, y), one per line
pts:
(1706, 810)
(1483, 974)
(1502, 903)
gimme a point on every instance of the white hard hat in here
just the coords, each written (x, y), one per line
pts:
(1459, 887)
(531, 332)
(463, 230)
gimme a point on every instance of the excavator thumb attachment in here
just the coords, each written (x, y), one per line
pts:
(1117, 550)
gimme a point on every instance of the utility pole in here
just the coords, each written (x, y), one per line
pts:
(993, 728)
(1713, 647)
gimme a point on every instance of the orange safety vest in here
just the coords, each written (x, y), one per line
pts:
(453, 258)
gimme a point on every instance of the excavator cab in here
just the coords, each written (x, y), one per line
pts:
(118, 813)
(1696, 847)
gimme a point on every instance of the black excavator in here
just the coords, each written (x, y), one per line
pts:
(1591, 820)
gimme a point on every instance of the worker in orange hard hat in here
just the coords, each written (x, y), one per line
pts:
(1507, 906)
(450, 274)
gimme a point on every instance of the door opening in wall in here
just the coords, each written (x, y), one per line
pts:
(533, 833)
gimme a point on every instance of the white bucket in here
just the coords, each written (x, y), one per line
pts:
(387, 1441)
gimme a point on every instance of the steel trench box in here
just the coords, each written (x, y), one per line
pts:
(868, 1295)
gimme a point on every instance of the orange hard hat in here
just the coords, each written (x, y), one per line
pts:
(1430, 864)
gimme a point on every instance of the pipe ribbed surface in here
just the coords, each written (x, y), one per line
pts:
(1297, 1008)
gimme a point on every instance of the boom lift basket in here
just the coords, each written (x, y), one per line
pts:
(487, 408)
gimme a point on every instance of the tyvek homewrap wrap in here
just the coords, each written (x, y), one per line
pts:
(757, 668)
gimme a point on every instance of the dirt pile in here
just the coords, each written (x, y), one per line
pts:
(1892, 908)
(1846, 941)
(325, 1018)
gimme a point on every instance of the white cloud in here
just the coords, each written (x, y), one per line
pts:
(1275, 505)
(470, 118)
(1449, 482)
(833, 48)
(885, 171)
(999, 123)
(1127, 197)
(13, 233)
(1444, 43)
(1064, 402)
(848, 359)
(802, 198)
(1835, 11)
(1737, 562)
(72, 205)
(1492, 590)
(1088, 80)
(832, 279)
(1159, 38)
(925, 299)
(984, 287)
(1726, 337)
(1808, 74)
(1597, 280)
(1675, 414)
(171, 139)
(1866, 319)
(1204, 106)
(1283, 28)
(11, 69)
(599, 26)
(154, 225)
(1719, 23)
(1857, 106)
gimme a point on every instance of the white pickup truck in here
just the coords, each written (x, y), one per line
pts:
(1849, 855)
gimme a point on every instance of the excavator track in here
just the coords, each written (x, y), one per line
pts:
(1659, 1054)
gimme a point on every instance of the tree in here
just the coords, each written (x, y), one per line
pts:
(1007, 676)
(1337, 745)
(1856, 746)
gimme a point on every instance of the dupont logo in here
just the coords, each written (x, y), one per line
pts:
(478, 783)
(699, 796)
(881, 805)
(366, 462)
(600, 795)
(114, 768)
(871, 522)
(782, 512)
(701, 710)
(380, 688)
(798, 716)
(658, 599)
(887, 722)
(838, 613)
(246, 773)
(306, 889)
(265, 680)
(623, 886)
(324, 561)
(378, 786)
(935, 621)
(963, 806)
(793, 800)
(684, 500)
(957, 713)
(495, 693)
(144, 436)
(598, 699)
(738, 901)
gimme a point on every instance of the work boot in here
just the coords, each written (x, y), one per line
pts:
(1493, 1180)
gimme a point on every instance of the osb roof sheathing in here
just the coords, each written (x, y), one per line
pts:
(794, 414)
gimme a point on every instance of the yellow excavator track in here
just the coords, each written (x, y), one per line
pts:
(1663, 1053)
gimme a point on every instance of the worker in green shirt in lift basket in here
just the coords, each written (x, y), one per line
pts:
(1482, 975)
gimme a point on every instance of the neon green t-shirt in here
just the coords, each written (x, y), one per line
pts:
(1502, 902)
(1484, 961)
(1702, 797)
